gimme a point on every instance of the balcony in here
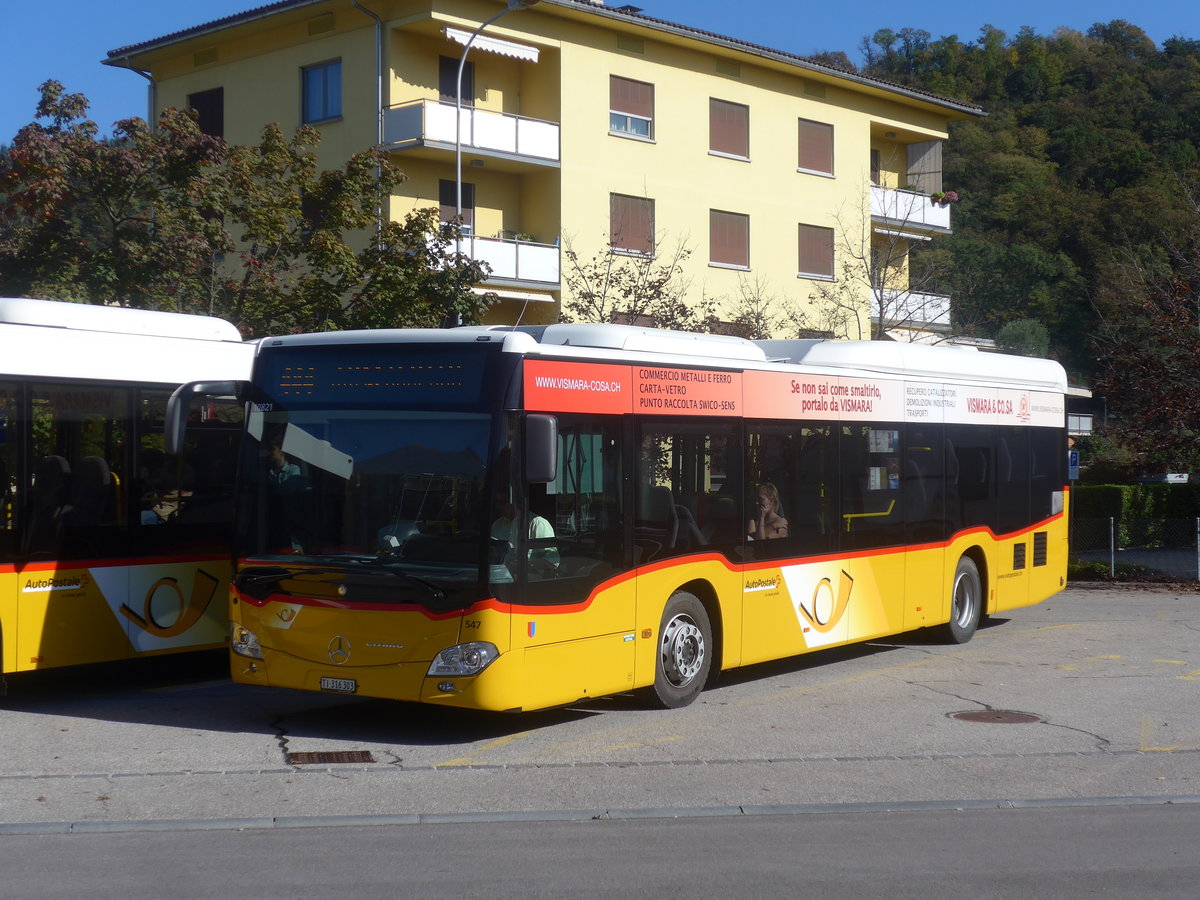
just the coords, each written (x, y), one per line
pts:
(515, 262)
(429, 124)
(907, 211)
(908, 309)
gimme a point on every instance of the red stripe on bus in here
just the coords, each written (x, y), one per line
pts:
(524, 609)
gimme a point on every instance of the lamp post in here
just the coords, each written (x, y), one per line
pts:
(462, 62)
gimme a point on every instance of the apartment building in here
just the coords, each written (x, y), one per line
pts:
(590, 128)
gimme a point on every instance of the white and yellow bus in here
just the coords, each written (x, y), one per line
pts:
(110, 549)
(512, 519)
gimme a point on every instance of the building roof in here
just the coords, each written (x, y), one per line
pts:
(631, 14)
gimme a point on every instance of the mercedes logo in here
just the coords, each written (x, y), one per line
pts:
(339, 651)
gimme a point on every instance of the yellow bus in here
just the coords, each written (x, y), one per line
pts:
(110, 549)
(513, 519)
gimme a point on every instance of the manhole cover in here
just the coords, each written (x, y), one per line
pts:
(996, 716)
(337, 756)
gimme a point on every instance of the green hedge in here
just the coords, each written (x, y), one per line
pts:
(1136, 501)
(1143, 512)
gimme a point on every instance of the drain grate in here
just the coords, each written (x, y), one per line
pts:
(335, 756)
(996, 716)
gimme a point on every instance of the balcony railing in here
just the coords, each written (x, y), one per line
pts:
(422, 122)
(910, 309)
(521, 261)
(907, 209)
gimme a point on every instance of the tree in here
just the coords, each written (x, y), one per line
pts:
(122, 221)
(170, 218)
(878, 264)
(1150, 344)
(293, 267)
(633, 288)
(1024, 337)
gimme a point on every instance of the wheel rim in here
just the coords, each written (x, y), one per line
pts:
(681, 650)
(964, 600)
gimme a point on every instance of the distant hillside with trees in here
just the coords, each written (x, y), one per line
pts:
(1079, 209)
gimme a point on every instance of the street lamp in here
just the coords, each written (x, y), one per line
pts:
(462, 61)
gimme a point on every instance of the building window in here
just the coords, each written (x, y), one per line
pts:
(448, 80)
(816, 252)
(816, 147)
(631, 224)
(728, 239)
(630, 108)
(321, 87)
(210, 111)
(447, 202)
(728, 128)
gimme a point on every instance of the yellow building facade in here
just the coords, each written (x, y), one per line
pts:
(588, 128)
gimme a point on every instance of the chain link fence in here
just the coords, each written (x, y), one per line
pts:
(1136, 548)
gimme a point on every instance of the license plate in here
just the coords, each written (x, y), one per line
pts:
(339, 685)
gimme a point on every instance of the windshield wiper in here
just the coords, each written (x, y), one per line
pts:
(260, 576)
(380, 565)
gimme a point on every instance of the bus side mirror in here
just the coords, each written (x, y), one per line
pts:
(541, 448)
(181, 400)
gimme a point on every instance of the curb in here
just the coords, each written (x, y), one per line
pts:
(268, 823)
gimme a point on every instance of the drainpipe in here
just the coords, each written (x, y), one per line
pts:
(378, 102)
(152, 101)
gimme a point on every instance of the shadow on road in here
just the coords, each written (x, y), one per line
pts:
(194, 691)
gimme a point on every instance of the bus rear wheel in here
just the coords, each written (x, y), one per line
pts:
(966, 602)
(684, 651)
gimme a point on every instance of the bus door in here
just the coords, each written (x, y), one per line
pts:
(925, 498)
(74, 539)
(871, 530)
(687, 529)
(790, 582)
(1014, 516)
(576, 623)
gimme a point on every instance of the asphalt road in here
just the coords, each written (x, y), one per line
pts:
(1108, 679)
(1119, 851)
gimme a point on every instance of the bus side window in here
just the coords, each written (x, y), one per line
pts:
(801, 462)
(683, 474)
(190, 494)
(79, 434)
(583, 507)
(872, 514)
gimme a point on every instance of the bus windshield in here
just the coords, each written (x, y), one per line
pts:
(383, 491)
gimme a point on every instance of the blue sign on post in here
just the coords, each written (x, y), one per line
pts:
(1072, 465)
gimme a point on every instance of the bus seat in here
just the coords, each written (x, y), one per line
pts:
(657, 515)
(91, 493)
(51, 479)
(688, 534)
(722, 523)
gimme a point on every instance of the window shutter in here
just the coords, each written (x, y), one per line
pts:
(816, 251)
(634, 98)
(816, 147)
(631, 223)
(728, 127)
(728, 238)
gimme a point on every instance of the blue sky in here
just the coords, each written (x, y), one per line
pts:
(66, 39)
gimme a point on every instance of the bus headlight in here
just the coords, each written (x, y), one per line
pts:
(243, 641)
(464, 659)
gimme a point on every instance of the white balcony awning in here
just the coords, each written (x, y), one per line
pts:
(493, 45)
(527, 296)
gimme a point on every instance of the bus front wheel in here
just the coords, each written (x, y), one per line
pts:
(684, 651)
(966, 602)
